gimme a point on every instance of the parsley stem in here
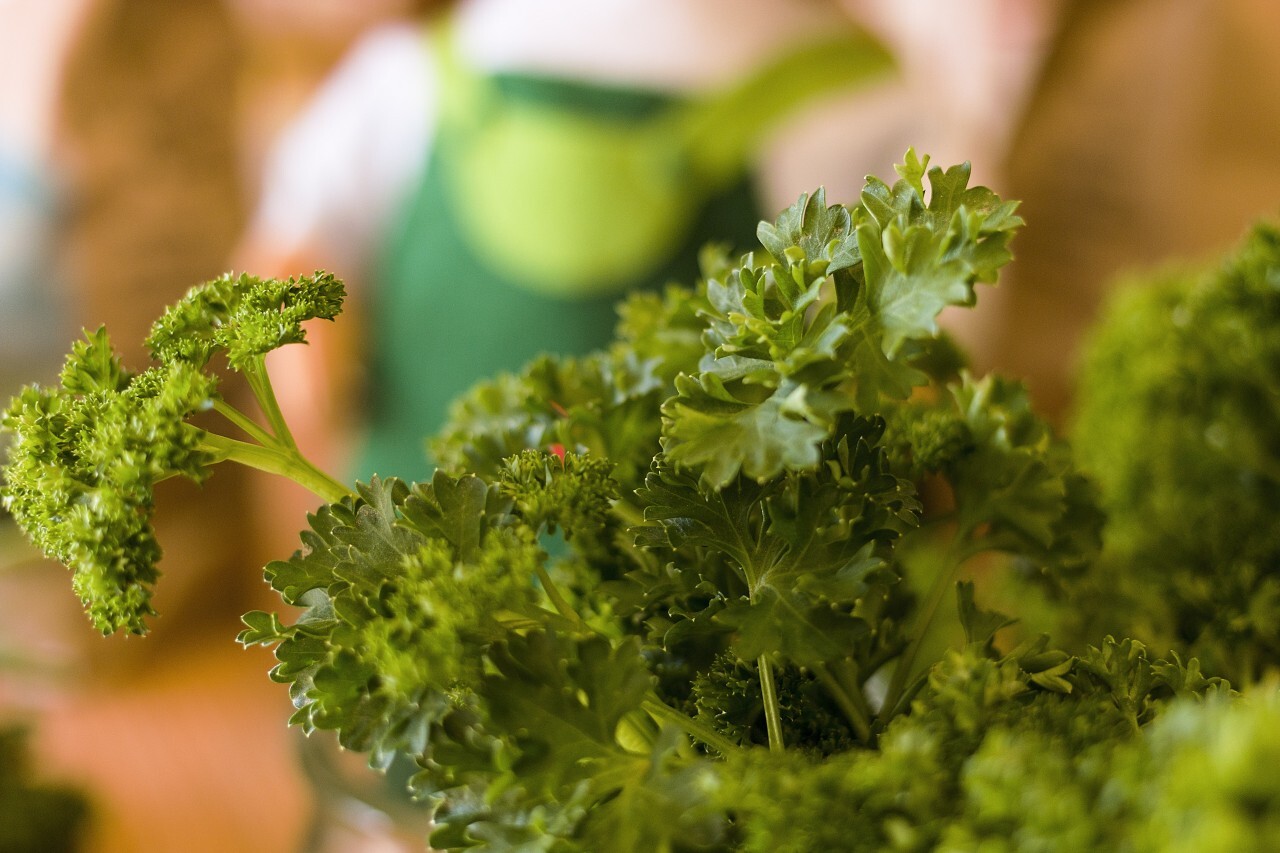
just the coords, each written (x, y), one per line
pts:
(289, 464)
(255, 371)
(942, 584)
(244, 422)
(848, 677)
(660, 711)
(772, 711)
(562, 606)
(904, 701)
(857, 717)
(628, 512)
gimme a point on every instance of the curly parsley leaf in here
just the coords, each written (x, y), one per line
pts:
(919, 257)
(805, 548)
(83, 465)
(404, 589)
(831, 321)
(243, 315)
(87, 455)
(564, 700)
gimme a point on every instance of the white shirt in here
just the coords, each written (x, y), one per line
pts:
(340, 172)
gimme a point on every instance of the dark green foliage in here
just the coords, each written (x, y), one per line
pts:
(993, 756)
(403, 590)
(691, 593)
(760, 436)
(1179, 420)
(727, 697)
(34, 817)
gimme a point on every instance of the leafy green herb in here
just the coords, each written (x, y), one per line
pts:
(689, 593)
(87, 455)
(1179, 420)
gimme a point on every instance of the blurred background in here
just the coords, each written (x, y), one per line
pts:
(149, 145)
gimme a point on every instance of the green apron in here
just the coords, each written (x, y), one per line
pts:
(543, 201)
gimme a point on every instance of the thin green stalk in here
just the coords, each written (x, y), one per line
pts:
(561, 604)
(846, 673)
(260, 383)
(275, 461)
(628, 512)
(881, 657)
(942, 584)
(516, 622)
(860, 722)
(244, 422)
(772, 711)
(662, 711)
(764, 669)
(887, 713)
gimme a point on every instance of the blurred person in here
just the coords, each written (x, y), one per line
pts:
(289, 46)
(491, 184)
(492, 189)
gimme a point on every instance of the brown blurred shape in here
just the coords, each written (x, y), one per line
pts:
(1152, 135)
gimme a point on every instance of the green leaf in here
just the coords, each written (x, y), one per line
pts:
(802, 629)
(806, 548)
(727, 520)
(980, 626)
(709, 429)
(315, 566)
(244, 316)
(920, 257)
(261, 629)
(821, 233)
(561, 700)
(457, 510)
(1016, 479)
(908, 281)
(664, 806)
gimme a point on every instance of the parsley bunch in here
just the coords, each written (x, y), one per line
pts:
(687, 593)
(1179, 420)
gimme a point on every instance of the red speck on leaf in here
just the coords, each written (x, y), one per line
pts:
(558, 450)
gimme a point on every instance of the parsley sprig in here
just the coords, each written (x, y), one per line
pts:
(88, 454)
(686, 593)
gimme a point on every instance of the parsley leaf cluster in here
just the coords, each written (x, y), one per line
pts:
(1179, 422)
(87, 455)
(722, 586)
